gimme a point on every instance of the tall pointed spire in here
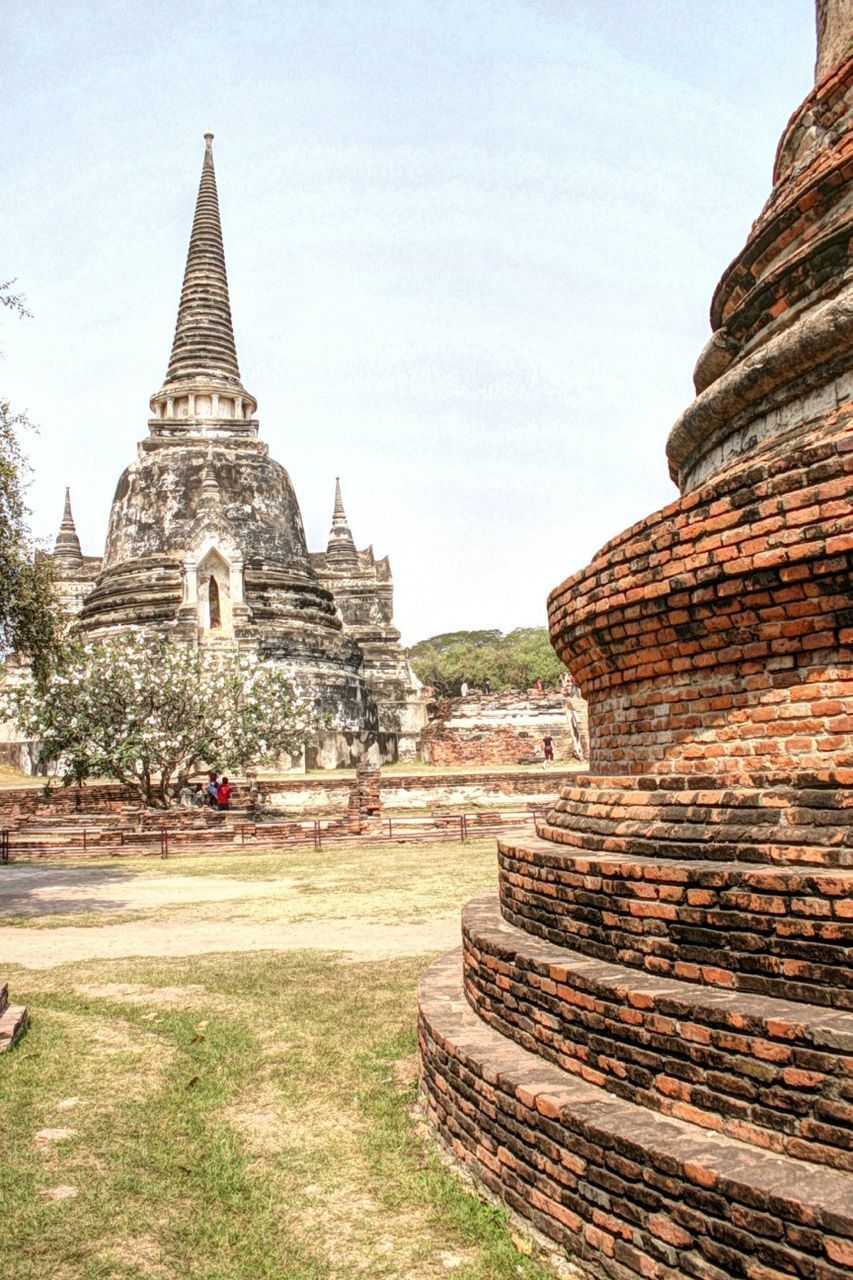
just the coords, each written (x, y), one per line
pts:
(341, 548)
(66, 549)
(202, 383)
(204, 338)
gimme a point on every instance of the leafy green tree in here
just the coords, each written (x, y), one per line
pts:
(512, 661)
(30, 625)
(149, 712)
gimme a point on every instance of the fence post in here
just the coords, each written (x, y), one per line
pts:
(316, 833)
(164, 841)
(85, 846)
(4, 845)
(243, 833)
(390, 830)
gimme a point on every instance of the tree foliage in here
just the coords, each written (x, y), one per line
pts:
(149, 712)
(512, 661)
(29, 619)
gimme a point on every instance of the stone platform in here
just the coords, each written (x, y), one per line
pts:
(13, 1019)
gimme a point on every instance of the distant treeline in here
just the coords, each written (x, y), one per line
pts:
(512, 661)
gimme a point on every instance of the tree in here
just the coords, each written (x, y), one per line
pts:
(29, 619)
(149, 712)
(513, 661)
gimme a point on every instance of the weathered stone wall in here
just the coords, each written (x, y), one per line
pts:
(313, 795)
(504, 728)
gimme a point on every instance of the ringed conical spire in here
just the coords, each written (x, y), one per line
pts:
(204, 336)
(341, 548)
(66, 549)
(202, 383)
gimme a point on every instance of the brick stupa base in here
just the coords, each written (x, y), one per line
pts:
(647, 1047)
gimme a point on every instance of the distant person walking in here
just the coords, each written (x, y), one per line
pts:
(487, 685)
(538, 685)
(548, 744)
(212, 790)
(463, 689)
(223, 794)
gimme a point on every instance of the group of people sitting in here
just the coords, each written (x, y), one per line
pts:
(217, 793)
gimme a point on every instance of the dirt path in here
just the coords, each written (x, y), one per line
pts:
(49, 890)
(43, 948)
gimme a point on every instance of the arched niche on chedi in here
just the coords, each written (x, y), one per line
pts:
(213, 585)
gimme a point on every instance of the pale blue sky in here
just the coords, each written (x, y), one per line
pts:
(471, 246)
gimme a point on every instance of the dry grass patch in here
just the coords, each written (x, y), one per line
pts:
(244, 1116)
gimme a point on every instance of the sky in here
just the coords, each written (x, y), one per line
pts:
(471, 247)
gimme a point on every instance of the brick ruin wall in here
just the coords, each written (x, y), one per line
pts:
(504, 728)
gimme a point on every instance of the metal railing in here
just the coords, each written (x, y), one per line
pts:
(247, 836)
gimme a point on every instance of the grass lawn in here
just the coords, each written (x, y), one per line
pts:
(242, 1116)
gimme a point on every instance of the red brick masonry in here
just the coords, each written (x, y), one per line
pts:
(647, 1049)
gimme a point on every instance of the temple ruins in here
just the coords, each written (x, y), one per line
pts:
(206, 543)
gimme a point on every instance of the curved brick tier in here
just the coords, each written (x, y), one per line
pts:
(622, 1187)
(808, 821)
(647, 1050)
(718, 634)
(781, 931)
(767, 1071)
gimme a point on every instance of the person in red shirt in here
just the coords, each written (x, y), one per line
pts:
(223, 794)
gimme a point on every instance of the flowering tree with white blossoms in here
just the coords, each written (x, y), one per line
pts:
(149, 712)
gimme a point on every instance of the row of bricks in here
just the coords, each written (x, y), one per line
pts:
(549, 857)
(753, 922)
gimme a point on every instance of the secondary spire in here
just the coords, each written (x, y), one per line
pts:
(341, 548)
(66, 549)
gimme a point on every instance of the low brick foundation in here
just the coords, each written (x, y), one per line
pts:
(620, 1186)
(307, 794)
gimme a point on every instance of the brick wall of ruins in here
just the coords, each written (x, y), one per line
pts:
(504, 728)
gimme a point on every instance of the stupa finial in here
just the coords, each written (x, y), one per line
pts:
(204, 338)
(202, 387)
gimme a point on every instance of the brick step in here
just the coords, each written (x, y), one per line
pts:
(803, 824)
(620, 1186)
(13, 1019)
(778, 931)
(776, 1074)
